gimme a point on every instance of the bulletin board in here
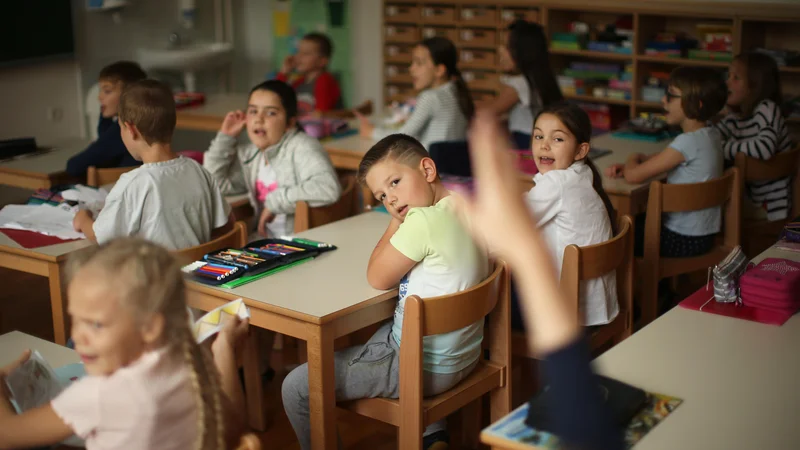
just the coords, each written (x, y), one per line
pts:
(294, 18)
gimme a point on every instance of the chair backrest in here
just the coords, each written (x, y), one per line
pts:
(100, 177)
(725, 191)
(451, 158)
(307, 217)
(234, 238)
(593, 261)
(782, 165)
(249, 441)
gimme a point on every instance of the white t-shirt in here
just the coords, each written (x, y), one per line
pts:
(173, 203)
(449, 261)
(148, 404)
(266, 182)
(569, 211)
(521, 118)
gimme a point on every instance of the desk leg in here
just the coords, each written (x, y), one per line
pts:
(58, 303)
(321, 388)
(254, 389)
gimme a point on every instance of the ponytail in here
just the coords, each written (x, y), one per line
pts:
(206, 386)
(465, 102)
(527, 45)
(597, 184)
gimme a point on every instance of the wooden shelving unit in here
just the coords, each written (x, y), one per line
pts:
(478, 27)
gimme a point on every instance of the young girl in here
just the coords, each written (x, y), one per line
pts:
(569, 202)
(756, 128)
(280, 166)
(444, 106)
(695, 94)
(532, 85)
(148, 383)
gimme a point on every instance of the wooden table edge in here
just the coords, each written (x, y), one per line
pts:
(31, 253)
(27, 173)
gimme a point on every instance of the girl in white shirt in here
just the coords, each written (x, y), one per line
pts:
(148, 383)
(569, 202)
(531, 85)
(444, 105)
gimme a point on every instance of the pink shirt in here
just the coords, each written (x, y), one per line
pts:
(149, 404)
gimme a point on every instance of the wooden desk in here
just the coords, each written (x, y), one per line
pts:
(209, 116)
(48, 262)
(318, 302)
(41, 171)
(737, 379)
(14, 343)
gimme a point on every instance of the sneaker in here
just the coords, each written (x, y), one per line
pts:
(436, 441)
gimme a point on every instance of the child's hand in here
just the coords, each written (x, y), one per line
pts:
(365, 127)
(615, 171)
(496, 212)
(266, 217)
(288, 64)
(231, 335)
(5, 371)
(80, 217)
(233, 123)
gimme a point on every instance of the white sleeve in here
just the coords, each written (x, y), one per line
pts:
(544, 200)
(418, 121)
(122, 213)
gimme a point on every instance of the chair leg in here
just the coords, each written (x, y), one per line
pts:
(471, 424)
(648, 301)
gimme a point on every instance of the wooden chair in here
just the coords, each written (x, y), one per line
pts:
(725, 191)
(757, 235)
(249, 441)
(586, 263)
(100, 177)
(307, 217)
(430, 316)
(235, 238)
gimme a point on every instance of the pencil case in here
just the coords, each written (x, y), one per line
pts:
(212, 273)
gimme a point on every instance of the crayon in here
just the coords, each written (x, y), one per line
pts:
(297, 249)
(216, 270)
(204, 270)
(205, 275)
(222, 260)
(310, 242)
(222, 266)
(269, 252)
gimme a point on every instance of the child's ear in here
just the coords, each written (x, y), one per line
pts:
(292, 123)
(583, 151)
(132, 130)
(152, 329)
(441, 71)
(428, 168)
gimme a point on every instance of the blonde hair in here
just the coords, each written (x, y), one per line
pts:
(148, 280)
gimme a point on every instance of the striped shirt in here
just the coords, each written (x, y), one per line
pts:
(436, 118)
(760, 136)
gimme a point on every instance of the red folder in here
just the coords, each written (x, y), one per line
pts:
(32, 239)
(704, 298)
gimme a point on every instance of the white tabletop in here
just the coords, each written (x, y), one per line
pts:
(49, 251)
(14, 343)
(50, 162)
(218, 105)
(354, 144)
(738, 379)
(331, 282)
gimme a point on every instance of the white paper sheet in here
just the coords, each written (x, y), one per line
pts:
(211, 323)
(45, 219)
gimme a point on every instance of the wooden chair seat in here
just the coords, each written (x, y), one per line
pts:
(484, 378)
(236, 237)
(669, 267)
(307, 217)
(96, 177)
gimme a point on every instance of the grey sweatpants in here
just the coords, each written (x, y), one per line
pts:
(366, 371)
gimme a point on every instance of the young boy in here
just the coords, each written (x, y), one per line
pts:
(317, 90)
(170, 200)
(428, 253)
(108, 150)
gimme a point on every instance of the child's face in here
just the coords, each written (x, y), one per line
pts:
(554, 146)
(106, 335)
(673, 106)
(309, 58)
(506, 62)
(737, 84)
(109, 97)
(424, 73)
(401, 187)
(266, 119)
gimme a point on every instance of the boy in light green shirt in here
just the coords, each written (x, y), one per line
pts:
(428, 252)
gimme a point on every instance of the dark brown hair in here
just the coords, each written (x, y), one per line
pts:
(150, 107)
(577, 122)
(527, 45)
(400, 147)
(703, 91)
(285, 92)
(444, 52)
(324, 45)
(763, 81)
(125, 71)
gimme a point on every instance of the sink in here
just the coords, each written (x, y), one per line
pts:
(187, 58)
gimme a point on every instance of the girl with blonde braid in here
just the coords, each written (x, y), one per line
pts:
(149, 385)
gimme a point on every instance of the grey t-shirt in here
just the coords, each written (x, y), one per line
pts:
(702, 151)
(173, 203)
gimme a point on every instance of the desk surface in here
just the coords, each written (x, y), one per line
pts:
(217, 105)
(332, 282)
(49, 163)
(51, 252)
(14, 343)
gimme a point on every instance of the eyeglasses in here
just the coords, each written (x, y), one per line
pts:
(669, 95)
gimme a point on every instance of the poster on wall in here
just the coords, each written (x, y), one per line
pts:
(336, 12)
(281, 18)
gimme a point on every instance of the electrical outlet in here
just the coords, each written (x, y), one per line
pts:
(55, 114)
